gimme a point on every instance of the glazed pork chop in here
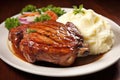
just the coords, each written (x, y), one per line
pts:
(49, 41)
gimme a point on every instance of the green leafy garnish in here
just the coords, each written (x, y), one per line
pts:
(30, 30)
(78, 10)
(32, 8)
(56, 10)
(44, 9)
(11, 23)
(43, 17)
(38, 10)
(29, 8)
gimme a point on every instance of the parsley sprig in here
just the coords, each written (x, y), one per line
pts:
(43, 17)
(29, 8)
(11, 23)
(31, 30)
(78, 9)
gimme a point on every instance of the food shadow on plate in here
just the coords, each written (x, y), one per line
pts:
(79, 61)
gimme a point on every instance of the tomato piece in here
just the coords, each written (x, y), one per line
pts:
(52, 15)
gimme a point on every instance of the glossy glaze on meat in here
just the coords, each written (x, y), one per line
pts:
(51, 41)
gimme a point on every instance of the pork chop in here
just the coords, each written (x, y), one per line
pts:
(49, 41)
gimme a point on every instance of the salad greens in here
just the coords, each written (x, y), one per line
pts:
(14, 22)
(29, 8)
(32, 8)
(43, 17)
(78, 9)
(56, 10)
(11, 23)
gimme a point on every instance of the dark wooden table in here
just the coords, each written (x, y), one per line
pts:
(108, 8)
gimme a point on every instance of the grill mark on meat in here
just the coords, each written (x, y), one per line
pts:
(41, 39)
(53, 35)
(39, 24)
(55, 27)
(49, 34)
(47, 31)
(45, 48)
(54, 24)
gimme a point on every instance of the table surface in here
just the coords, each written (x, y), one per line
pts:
(108, 8)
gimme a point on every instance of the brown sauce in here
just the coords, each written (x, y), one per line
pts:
(16, 52)
(79, 61)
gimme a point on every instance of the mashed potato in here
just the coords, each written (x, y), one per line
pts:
(95, 30)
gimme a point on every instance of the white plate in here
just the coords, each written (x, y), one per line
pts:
(108, 59)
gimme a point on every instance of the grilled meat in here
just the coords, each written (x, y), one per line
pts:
(49, 41)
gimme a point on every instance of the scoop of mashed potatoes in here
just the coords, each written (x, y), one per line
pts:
(95, 30)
